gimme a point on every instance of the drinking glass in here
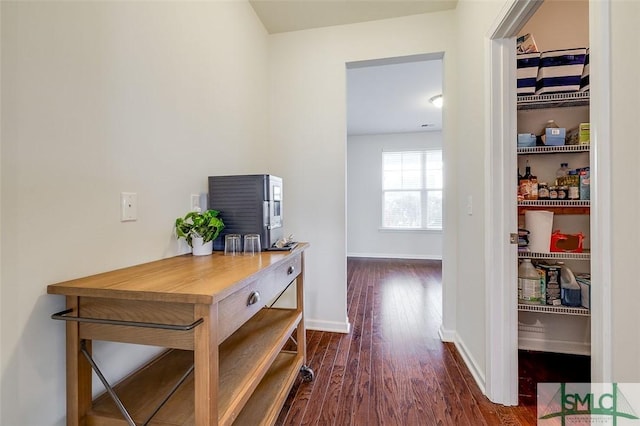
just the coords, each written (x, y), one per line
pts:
(252, 244)
(232, 244)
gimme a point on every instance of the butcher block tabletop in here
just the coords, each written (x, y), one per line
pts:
(185, 278)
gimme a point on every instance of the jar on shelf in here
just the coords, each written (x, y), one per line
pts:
(553, 192)
(543, 191)
(573, 193)
(562, 192)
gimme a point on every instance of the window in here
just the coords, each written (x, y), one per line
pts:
(412, 190)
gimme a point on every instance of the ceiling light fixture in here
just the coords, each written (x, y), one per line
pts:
(437, 101)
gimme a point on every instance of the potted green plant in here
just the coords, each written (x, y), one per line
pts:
(199, 229)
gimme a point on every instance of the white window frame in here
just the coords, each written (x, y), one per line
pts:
(424, 191)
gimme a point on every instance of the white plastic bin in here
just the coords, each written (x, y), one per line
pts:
(539, 223)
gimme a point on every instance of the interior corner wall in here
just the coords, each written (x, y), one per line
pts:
(625, 181)
(309, 136)
(364, 199)
(474, 19)
(100, 98)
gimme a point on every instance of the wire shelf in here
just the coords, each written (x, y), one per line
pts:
(553, 100)
(553, 149)
(547, 309)
(555, 255)
(554, 203)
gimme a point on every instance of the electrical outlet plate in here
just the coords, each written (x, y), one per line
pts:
(128, 206)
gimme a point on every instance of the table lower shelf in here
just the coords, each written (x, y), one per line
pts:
(254, 378)
(266, 402)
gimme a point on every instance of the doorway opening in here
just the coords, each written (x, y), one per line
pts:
(395, 165)
(394, 158)
(502, 312)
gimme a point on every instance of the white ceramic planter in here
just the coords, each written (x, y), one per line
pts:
(199, 249)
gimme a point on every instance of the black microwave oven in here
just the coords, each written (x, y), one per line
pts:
(248, 204)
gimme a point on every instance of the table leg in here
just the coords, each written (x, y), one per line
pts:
(206, 365)
(301, 333)
(78, 371)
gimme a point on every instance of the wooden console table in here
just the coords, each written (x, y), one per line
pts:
(226, 360)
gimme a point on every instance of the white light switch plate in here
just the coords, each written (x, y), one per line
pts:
(128, 206)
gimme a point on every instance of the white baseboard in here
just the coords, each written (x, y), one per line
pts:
(330, 326)
(471, 363)
(558, 346)
(397, 256)
(446, 335)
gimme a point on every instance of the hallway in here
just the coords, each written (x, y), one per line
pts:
(392, 368)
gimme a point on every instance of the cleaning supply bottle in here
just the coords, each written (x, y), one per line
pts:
(529, 284)
(570, 292)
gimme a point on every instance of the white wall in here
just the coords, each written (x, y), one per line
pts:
(100, 98)
(103, 98)
(625, 154)
(474, 19)
(364, 200)
(308, 135)
(559, 25)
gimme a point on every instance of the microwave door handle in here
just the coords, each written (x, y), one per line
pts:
(266, 214)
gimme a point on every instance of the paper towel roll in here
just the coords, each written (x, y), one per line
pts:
(540, 225)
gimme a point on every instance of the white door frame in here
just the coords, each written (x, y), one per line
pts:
(600, 111)
(501, 384)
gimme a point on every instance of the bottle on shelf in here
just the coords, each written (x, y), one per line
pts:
(519, 190)
(529, 184)
(530, 285)
(573, 184)
(534, 194)
(570, 292)
(561, 174)
(527, 171)
(524, 186)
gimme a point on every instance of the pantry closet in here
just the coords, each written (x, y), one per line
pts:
(552, 324)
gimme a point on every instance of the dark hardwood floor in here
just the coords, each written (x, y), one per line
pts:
(392, 367)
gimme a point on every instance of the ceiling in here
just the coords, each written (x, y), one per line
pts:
(279, 16)
(392, 96)
(385, 96)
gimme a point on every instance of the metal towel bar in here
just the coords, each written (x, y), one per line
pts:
(62, 315)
